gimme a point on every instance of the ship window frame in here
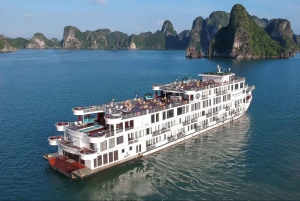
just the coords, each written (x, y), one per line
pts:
(157, 117)
(170, 113)
(99, 158)
(111, 157)
(152, 118)
(120, 139)
(164, 115)
(116, 155)
(179, 111)
(105, 161)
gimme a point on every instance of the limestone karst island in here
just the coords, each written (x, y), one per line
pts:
(235, 35)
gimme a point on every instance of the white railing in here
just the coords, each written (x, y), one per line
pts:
(68, 148)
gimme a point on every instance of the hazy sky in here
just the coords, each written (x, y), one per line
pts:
(23, 18)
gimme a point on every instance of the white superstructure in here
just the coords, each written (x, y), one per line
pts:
(110, 134)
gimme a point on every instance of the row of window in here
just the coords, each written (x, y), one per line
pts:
(106, 158)
(225, 88)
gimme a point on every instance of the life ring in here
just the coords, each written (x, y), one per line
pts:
(138, 114)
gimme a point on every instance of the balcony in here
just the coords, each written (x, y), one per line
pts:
(194, 120)
(150, 147)
(197, 128)
(131, 141)
(109, 133)
(155, 133)
(171, 139)
(216, 112)
(164, 130)
(128, 128)
(238, 105)
(119, 130)
(204, 97)
(224, 92)
(53, 140)
(61, 126)
(68, 146)
(208, 115)
(180, 135)
(185, 123)
(87, 154)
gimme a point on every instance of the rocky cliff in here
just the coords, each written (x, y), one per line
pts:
(5, 46)
(244, 39)
(280, 31)
(203, 30)
(296, 39)
(167, 38)
(39, 41)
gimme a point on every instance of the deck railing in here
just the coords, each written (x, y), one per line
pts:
(128, 128)
(170, 139)
(133, 141)
(68, 147)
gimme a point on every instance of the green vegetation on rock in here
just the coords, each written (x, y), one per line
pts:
(243, 38)
(17, 42)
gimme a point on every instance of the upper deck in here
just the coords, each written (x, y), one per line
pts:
(140, 106)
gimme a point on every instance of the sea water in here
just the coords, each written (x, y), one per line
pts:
(256, 157)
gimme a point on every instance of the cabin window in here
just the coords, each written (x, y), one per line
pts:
(152, 118)
(140, 148)
(236, 86)
(111, 159)
(82, 162)
(170, 113)
(241, 85)
(116, 157)
(193, 107)
(123, 150)
(164, 115)
(112, 143)
(130, 148)
(95, 162)
(103, 145)
(104, 159)
(157, 117)
(179, 111)
(120, 140)
(148, 131)
(100, 160)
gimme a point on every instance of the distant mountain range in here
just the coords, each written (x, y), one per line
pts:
(234, 35)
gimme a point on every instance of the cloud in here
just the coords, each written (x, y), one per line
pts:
(160, 22)
(137, 29)
(26, 15)
(97, 1)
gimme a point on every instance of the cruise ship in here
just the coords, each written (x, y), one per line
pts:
(106, 135)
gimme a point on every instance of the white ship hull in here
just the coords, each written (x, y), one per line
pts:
(131, 129)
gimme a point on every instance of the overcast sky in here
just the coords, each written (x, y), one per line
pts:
(23, 18)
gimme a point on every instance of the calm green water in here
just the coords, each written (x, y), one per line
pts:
(257, 157)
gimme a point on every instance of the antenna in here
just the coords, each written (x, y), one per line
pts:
(229, 70)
